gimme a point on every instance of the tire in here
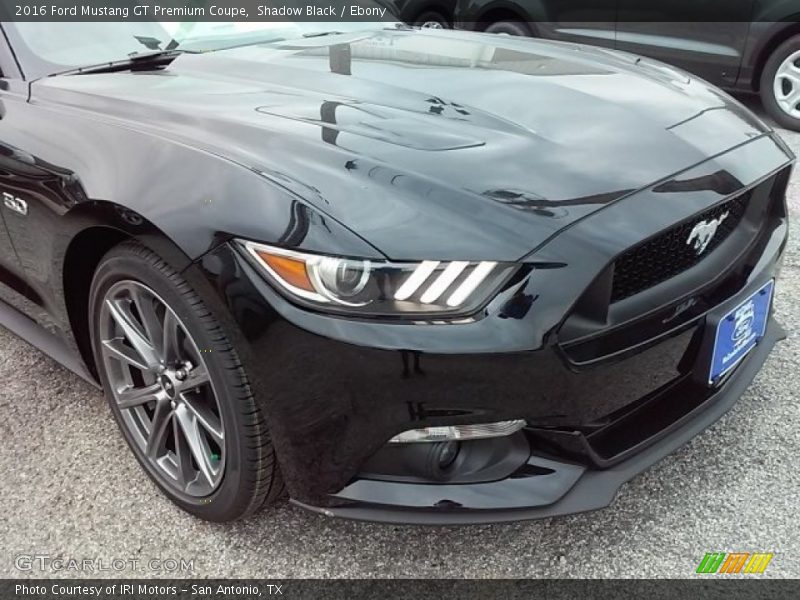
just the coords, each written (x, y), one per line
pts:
(189, 380)
(510, 28)
(431, 19)
(777, 87)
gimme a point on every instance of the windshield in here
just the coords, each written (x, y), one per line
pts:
(47, 48)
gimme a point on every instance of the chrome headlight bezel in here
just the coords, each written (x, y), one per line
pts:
(382, 288)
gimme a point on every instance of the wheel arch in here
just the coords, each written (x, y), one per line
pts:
(98, 227)
(785, 31)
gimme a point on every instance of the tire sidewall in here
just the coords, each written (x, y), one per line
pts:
(767, 81)
(224, 501)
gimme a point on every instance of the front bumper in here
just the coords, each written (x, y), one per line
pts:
(575, 488)
(604, 395)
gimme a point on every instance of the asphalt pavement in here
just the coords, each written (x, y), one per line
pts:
(72, 490)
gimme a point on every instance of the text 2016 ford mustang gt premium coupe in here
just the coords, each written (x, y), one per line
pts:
(406, 275)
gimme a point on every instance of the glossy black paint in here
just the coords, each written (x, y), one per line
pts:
(370, 380)
(727, 42)
(409, 145)
(543, 488)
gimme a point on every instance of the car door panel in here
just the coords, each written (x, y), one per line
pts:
(12, 284)
(30, 189)
(705, 37)
(582, 21)
(14, 288)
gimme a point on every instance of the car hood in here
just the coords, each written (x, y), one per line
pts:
(431, 144)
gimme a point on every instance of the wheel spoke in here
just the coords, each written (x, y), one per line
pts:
(194, 439)
(196, 377)
(182, 455)
(152, 324)
(790, 76)
(791, 99)
(117, 349)
(163, 389)
(170, 344)
(789, 69)
(205, 418)
(130, 397)
(132, 332)
(158, 428)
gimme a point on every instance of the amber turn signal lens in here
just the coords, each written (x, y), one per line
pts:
(291, 270)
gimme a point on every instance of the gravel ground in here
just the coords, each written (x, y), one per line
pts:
(72, 489)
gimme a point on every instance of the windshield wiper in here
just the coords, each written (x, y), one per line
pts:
(136, 61)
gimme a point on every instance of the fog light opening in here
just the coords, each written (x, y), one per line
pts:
(458, 432)
(442, 460)
(448, 453)
(460, 459)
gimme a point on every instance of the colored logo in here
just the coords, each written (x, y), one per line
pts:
(734, 562)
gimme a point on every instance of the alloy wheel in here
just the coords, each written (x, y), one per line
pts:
(786, 85)
(162, 388)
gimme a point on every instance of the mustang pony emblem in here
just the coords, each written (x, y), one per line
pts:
(703, 233)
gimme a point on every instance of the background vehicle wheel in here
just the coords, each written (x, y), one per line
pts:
(780, 84)
(510, 28)
(177, 389)
(432, 20)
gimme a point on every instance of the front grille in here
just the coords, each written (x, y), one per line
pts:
(668, 254)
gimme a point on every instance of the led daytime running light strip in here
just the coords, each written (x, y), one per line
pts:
(444, 281)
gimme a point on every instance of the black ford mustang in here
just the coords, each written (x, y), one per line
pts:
(415, 275)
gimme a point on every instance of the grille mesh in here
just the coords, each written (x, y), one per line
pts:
(668, 254)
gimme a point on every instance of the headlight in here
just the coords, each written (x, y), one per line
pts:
(380, 287)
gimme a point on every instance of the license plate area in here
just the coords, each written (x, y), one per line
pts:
(739, 331)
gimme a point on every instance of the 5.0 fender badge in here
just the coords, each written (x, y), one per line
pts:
(18, 205)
